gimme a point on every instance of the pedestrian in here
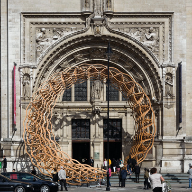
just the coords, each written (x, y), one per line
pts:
(156, 180)
(123, 176)
(146, 177)
(109, 175)
(55, 175)
(121, 163)
(117, 166)
(137, 172)
(133, 163)
(105, 164)
(114, 165)
(109, 161)
(91, 162)
(13, 170)
(190, 176)
(129, 165)
(62, 178)
(4, 164)
(120, 180)
(33, 171)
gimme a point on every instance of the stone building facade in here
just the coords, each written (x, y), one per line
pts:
(148, 38)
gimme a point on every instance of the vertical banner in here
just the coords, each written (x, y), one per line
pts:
(180, 92)
(14, 94)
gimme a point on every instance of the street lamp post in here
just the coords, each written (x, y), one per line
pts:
(108, 53)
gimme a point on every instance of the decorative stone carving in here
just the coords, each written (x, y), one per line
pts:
(96, 53)
(80, 57)
(56, 122)
(149, 36)
(48, 36)
(152, 39)
(42, 41)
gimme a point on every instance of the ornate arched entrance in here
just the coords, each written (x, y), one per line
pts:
(40, 142)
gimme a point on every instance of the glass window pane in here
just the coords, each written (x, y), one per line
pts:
(81, 91)
(80, 128)
(67, 95)
(115, 128)
(113, 93)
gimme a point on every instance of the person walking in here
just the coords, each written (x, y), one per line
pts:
(117, 166)
(190, 176)
(129, 166)
(62, 178)
(105, 164)
(137, 172)
(91, 162)
(109, 175)
(114, 165)
(156, 180)
(146, 177)
(4, 164)
(123, 176)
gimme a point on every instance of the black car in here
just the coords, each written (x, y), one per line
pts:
(39, 185)
(7, 184)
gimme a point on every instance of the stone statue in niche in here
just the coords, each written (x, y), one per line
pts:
(26, 86)
(96, 90)
(97, 7)
(108, 4)
(168, 85)
(87, 4)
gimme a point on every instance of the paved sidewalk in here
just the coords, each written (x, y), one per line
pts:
(137, 187)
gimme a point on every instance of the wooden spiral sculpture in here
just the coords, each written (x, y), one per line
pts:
(40, 143)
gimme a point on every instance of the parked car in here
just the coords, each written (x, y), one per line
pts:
(7, 184)
(39, 185)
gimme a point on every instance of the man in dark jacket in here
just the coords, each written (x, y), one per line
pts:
(137, 172)
(4, 164)
(123, 176)
(133, 163)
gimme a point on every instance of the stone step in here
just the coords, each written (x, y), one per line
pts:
(171, 177)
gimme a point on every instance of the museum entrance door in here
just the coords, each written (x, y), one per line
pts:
(115, 150)
(115, 138)
(81, 150)
(81, 139)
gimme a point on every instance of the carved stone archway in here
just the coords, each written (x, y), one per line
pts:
(40, 142)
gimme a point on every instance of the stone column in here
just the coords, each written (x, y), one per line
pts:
(31, 82)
